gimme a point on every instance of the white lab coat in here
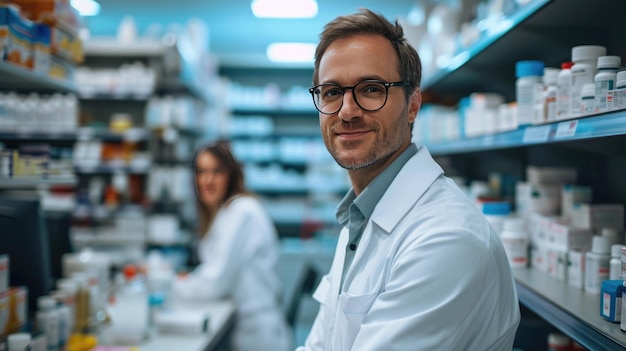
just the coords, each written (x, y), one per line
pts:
(429, 274)
(239, 259)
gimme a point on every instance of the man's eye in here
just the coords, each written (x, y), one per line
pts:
(373, 89)
(332, 92)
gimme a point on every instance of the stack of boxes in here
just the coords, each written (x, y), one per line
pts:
(13, 302)
(41, 35)
(563, 222)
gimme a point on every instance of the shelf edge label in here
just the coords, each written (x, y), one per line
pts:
(537, 134)
(566, 129)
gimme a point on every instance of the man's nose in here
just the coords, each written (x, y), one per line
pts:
(349, 109)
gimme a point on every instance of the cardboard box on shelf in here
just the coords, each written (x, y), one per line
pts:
(16, 37)
(41, 48)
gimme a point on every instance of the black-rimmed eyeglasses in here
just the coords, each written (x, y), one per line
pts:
(370, 95)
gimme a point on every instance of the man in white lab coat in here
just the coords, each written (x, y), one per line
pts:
(417, 266)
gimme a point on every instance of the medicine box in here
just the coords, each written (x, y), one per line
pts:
(574, 194)
(539, 257)
(16, 37)
(41, 48)
(597, 216)
(611, 300)
(576, 269)
(557, 262)
(566, 237)
(551, 175)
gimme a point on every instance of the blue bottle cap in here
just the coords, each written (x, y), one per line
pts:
(497, 208)
(529, 68)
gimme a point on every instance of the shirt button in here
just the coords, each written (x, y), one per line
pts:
(352, 247)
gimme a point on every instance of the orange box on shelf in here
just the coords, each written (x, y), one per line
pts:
(50, 12)
(64, 25)
(16, 37)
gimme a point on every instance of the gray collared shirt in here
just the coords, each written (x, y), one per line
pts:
(354, 211)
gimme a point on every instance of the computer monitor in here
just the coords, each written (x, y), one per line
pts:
(24, 239)
(58, 229)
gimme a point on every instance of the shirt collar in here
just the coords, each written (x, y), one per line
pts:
(367, 200)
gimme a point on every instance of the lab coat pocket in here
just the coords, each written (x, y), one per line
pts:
(355, 307)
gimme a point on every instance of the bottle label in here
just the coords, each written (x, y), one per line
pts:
(601, 95)
(580, 76)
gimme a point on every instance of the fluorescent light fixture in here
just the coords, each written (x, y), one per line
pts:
(291, 52)
(86, 7)
(284, 8)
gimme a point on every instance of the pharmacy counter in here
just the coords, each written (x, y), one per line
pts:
(221, 319)
(571, 310)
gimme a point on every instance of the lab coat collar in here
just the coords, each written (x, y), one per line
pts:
(407, 188)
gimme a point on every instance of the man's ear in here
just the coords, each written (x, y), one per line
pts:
(415, 102)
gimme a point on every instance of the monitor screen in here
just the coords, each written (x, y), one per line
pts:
(24, 239)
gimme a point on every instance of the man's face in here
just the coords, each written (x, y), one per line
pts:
(354, 137)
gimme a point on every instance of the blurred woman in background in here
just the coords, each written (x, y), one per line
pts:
(238, 252)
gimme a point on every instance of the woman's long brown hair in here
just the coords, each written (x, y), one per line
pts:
(236, 185)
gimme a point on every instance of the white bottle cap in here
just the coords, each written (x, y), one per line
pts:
(609, 62)
(587, 52)
(46, 303)
(589, 90)
(612, 234)
(601, 245)
(550, 75)
(616, 250)
(19, 341)
(514, 224)
(621, 79)
(558, 339)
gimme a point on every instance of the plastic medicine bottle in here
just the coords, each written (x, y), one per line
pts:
(618, 100)
(585, 59)
(528, 75)
(550, 96)
(615, 264)
(129, 315)
(564, 86)
(19, 342)
(48, 320)
(496, 212)
(597, 264)
(605, 80)
(587, 99)
(622, 323)
(515, 240)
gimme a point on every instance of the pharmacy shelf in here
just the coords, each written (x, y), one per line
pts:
(107, 97)
(111, 169)
(482, 45)
(32, 183)
(84, 133)
(18, 78)
(39, 135)
(543, 30)
(114, 48)
(571, 310)
(156, 51)
(584, 128)
(302, 112)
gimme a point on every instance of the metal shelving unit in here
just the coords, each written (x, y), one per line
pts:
(33, 183)
(574, 311)
(543, 30)
(585, 128)
(13, 77)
